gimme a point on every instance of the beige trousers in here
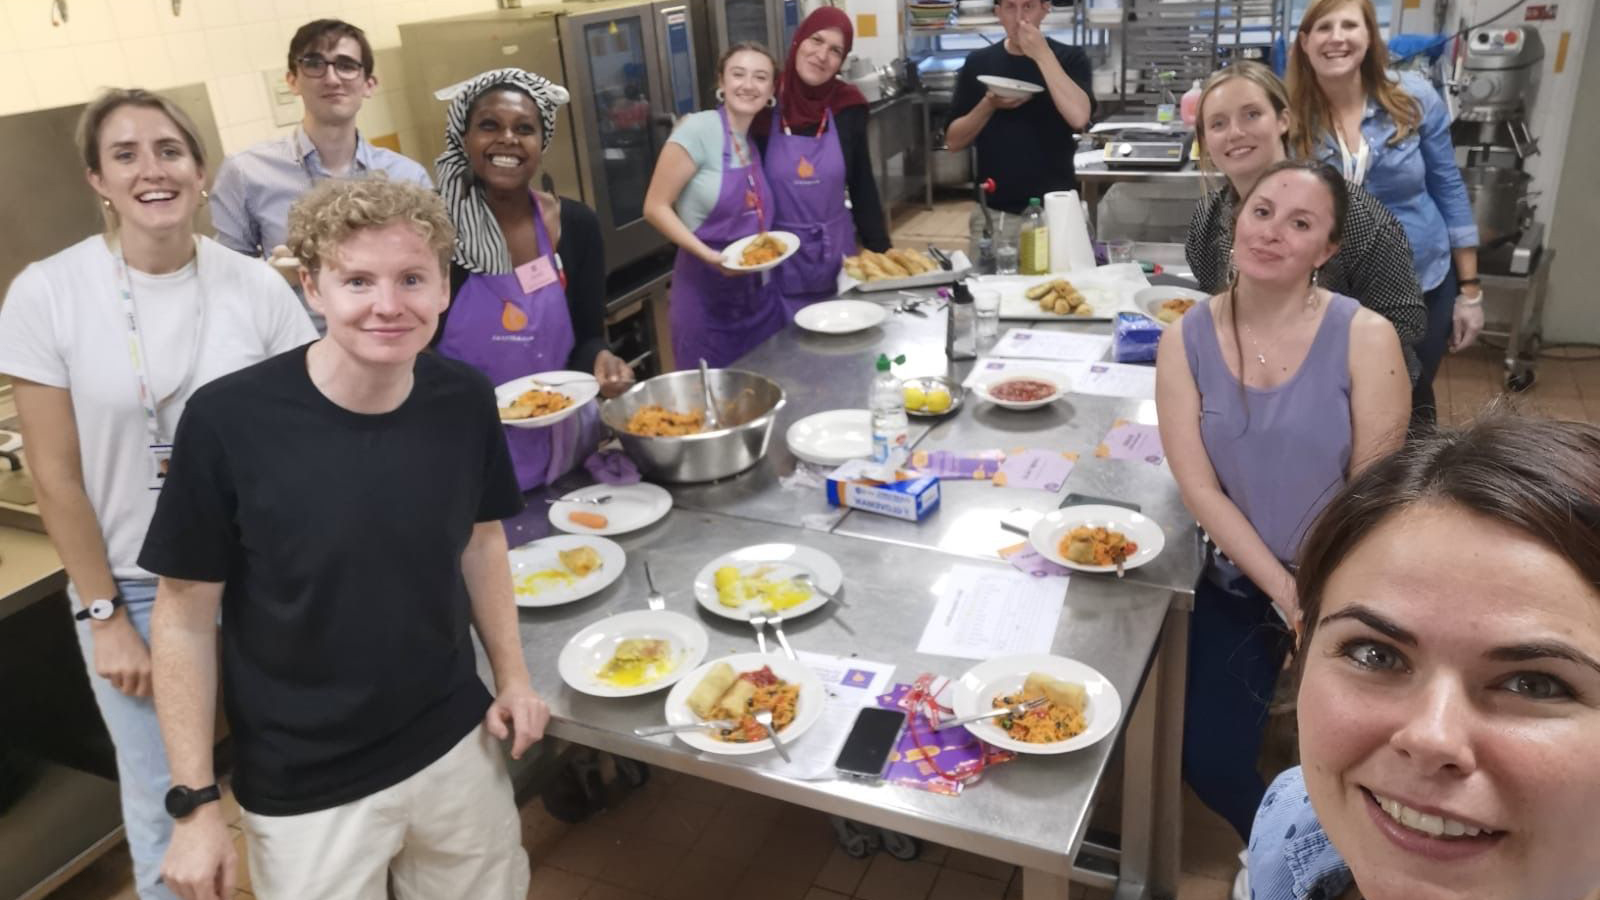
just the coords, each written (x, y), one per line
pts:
(451, 830)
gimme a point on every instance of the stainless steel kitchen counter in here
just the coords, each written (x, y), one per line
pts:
(1031, 812)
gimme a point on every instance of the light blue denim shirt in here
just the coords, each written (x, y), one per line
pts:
(1417, 179)
(1290, 856)
(255, 188)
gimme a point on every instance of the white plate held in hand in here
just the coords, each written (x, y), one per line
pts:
(580, 387)
(1010, 88)
(840, 316)
(976, 690)
(732, 252)
(832, 438)
(1047, 533)
(590, 649)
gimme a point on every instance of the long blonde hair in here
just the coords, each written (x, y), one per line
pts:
(1313, 114)
(1258, 75)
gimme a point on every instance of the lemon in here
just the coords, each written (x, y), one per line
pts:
(938, 400)
(915, 398)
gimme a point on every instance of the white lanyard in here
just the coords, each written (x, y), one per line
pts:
(147, 399)
(1355, 170)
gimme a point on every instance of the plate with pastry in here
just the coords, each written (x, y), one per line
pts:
(1072, 705)
(564, 569)
(760, 252)
(544, 398)
(899, 269)
(1168, 304)
(632, 653)
(733, 689)
(1097, 537)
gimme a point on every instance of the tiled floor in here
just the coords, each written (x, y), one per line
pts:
(683, 838)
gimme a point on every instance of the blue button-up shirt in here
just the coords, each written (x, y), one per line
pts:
(255, 188)
(1290, 855)
(1417, 179)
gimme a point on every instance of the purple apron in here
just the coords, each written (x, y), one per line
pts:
(715, 316)
(808, 187)
(506, 333)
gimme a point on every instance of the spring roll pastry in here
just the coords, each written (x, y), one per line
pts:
(1065, 694)
(736, 702)
(703, 699)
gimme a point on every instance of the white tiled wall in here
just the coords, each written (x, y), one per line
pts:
(228, 44)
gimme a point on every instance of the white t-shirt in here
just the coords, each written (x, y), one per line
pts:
(63, 325)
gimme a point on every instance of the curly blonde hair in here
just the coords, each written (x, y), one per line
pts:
(336, 208)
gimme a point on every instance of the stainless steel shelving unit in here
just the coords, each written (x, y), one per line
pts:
(1190, 38)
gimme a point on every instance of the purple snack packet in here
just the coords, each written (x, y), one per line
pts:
(948, 464)
(957, 751)
(1026, 559)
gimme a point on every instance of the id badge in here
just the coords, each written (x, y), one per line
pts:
(539, 273)
(160, 457)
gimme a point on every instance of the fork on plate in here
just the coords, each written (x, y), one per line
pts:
(775, 621)
(759, 623)
(764, 718)
(601, 500)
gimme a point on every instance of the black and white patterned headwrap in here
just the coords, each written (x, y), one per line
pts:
(480, 247)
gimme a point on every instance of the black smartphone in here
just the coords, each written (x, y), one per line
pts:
(866, 751)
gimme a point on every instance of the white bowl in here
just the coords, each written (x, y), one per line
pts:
(1056, 381)
(974, 692)
(1046, 534)
(832, 438)
(1010, 88)
(1149, 299)
(730, 254)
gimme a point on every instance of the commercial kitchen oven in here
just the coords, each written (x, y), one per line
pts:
(631, 67)
(771, 23)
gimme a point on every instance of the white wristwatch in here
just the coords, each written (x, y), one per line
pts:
(102, 609)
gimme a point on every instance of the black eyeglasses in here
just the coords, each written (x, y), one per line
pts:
(346, 67)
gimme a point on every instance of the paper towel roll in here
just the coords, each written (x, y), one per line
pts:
(1070, 248)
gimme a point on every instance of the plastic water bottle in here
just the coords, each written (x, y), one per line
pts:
(889, 424)
(1034, 240)
(1189, 104)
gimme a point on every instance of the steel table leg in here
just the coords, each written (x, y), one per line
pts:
(1041, 885)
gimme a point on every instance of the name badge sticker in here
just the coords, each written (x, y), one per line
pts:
(537, 274)
(160, 458)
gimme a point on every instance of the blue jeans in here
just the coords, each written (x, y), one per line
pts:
(1441, 303)
(1237, 645)
(142, 771)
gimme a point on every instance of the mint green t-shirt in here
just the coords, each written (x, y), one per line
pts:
(701, 134)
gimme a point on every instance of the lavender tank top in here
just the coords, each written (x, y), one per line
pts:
(1279, 454)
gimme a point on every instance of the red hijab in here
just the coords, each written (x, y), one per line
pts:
(802, 104)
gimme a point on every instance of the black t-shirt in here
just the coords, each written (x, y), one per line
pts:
(1028, 150)
(347, 663)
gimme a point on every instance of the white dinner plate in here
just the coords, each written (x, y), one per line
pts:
(808, 706)
(1149, 299)
(632, 507)
(590, 649)
(730, 253)
(974, 692)
(580, 386)
(1012, 88)
(773, 561)
(832, 438)
(1047, 533)
(840, 316)
(982, 386)
(541, 556)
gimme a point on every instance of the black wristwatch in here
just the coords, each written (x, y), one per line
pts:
(181, 800)
(101, 610)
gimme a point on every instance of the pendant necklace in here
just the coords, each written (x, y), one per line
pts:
(1311, 304)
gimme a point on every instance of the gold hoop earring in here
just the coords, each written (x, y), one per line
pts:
(721, 98)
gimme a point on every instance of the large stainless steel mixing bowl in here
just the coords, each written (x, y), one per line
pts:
(748, 404)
